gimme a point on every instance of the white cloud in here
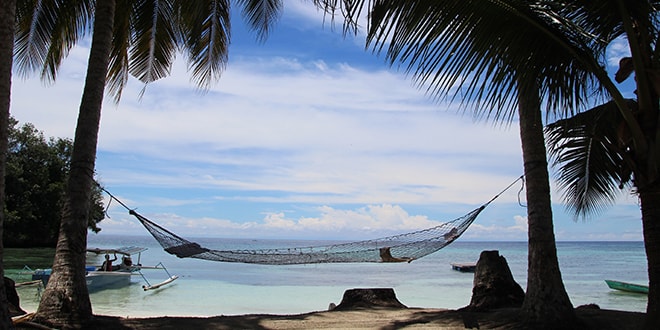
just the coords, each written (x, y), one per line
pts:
(618, 49)
(384, 219)
(500, 231)
(352, 135)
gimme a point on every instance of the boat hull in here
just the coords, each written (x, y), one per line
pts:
(96, 280)
(627, 287)
(464, 267)
(100, 280)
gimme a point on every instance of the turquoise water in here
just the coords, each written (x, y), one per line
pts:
(206, 288)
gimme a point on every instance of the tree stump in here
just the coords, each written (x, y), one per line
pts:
(494, 286)
(369, 298)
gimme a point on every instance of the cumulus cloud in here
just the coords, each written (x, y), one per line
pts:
(618, 49)
(515, 230)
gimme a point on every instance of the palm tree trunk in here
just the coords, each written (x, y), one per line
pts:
(546, 302)
(650, 205)
(65, 302)
(7, 17)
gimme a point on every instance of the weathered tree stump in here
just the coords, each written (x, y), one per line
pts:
(494, 286)
(369, 298)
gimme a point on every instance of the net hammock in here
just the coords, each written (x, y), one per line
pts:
(398, 248)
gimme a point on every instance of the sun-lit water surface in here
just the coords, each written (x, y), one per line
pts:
(206, 288)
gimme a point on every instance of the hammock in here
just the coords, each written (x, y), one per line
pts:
(399, 248)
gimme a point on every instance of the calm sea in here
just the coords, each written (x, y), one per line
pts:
(207, 288)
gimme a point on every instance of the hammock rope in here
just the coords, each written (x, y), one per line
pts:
(398, 248)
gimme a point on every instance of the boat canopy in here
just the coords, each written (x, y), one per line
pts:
(126, 250)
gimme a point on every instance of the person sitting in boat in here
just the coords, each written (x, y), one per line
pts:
(107, 264)
(126, 262)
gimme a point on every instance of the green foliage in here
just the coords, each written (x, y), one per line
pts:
(592, 160)
(37, 172)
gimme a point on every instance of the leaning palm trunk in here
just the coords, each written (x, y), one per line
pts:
(546, 302)
(65, 302)
(7, 16)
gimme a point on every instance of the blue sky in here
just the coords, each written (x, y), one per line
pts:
(305, 136)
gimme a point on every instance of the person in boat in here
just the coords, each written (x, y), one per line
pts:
(386, 256)
(126, 262)
(107, 264)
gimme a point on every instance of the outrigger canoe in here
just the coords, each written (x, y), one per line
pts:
(628, 287)
(116, 276)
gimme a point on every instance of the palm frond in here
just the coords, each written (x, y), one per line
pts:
(153, 39)
(484, 42)
(350, 10)
(205, 35)
(468, 50)
(45, 32)
(590, 157)
(35, 23)
(119, 59)
(261, 14)
(72, 24)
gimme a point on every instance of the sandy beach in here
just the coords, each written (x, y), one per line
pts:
(373, 318)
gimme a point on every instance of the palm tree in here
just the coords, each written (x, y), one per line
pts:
(615, 146)
(128, 36)
(595, 162)
(502, 58)
(7, 20)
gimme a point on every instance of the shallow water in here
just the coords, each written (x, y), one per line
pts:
(213, 288)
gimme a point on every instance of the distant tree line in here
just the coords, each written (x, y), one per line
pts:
(37, 171)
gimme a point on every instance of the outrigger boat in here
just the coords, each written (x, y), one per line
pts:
(628, 287)
(466, 267)
(108, 276)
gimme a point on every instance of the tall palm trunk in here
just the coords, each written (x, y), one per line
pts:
(546, 302)
(7, 17)
(65, 302)
(650, 205)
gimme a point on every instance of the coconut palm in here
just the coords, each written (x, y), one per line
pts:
(596, 161)
(502, 58)
(612, 147)
(7, 19)
(135, 37)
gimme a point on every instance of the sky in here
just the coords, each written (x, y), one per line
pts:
(305, 136)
